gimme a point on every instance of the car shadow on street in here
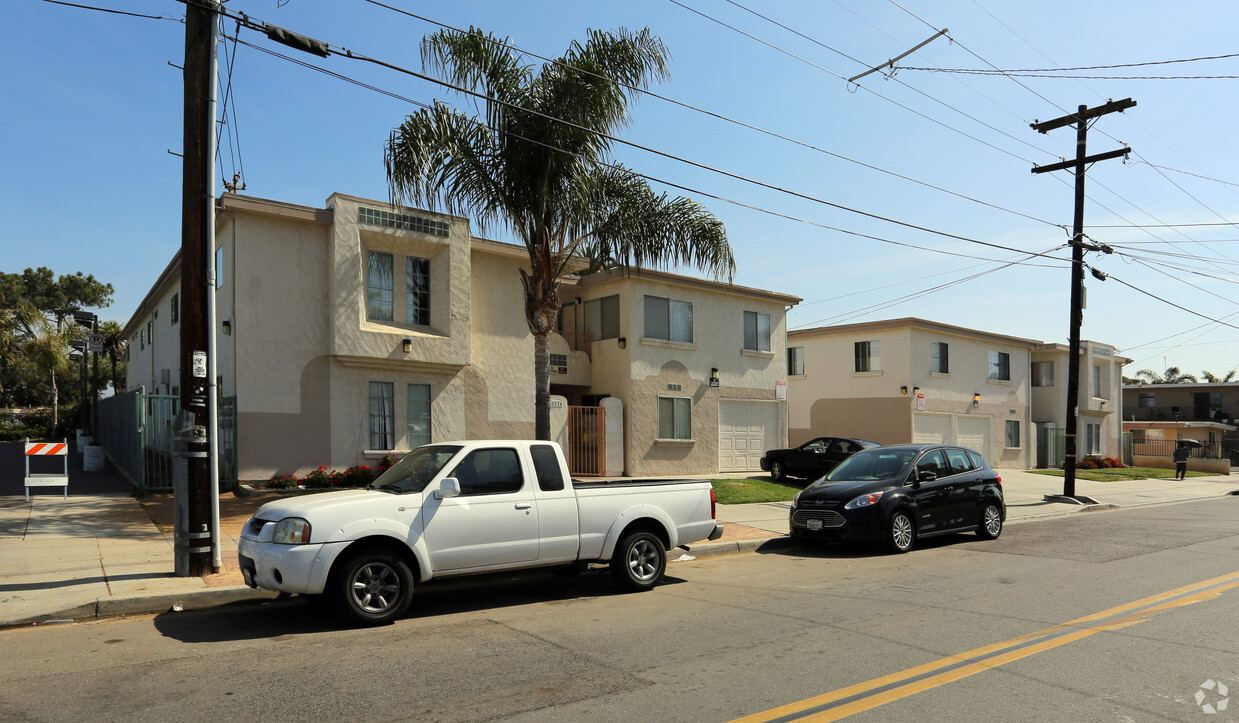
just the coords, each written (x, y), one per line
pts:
(299, 616)
(850, 550)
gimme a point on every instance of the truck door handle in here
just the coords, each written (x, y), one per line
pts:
(523, 505)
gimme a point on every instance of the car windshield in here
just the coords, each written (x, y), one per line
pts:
(416, 469)
(874, 464)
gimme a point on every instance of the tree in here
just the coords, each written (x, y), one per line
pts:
(114, 347)
(1172, 376)
(538, 165)
(1214, 379)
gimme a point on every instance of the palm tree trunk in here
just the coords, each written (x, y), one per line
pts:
(542, 386)
(541, 313)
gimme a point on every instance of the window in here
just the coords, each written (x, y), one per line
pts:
(960, 461)
(756, 331)
(219, 268)
(602, 317)
(489, 472)
(868, 358)
(379, 287)
(1043, 374)
(418, 415)
(176, 308)
(141, 339)
(668, 319)
(546, 465)
(150, 331)
(1098, 391)
(939, 359)
(417, 291)
(795, 361)
(382, 415)
(1013, 433)
(675, 418)
(1147, 400)
(1092, 439)
(1000, 366)
(932, 462)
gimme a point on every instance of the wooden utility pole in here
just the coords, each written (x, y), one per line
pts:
(1080, 120)
(193, 523)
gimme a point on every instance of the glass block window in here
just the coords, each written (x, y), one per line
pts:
(401, 221)
(417, 291)
(418, 421)
(379, 286)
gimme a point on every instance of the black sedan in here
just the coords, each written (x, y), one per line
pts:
(898, 494)
(813, 458)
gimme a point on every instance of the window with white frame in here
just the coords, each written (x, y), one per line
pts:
(1013, 433)
(795, 361)
(382, 415)
(939, 357)
(1092, 439)
(675, 418)
(380, 289)
(868, 356)
(756, 331)
(418, 415)
(602, 317)
(417, 291)
(1043, 374)
(669, 319)
(1000, 366)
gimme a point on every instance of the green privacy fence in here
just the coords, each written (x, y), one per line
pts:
(135, 429)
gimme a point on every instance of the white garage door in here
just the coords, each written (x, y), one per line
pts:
(745, 431)
(930, 428)
(977, 433)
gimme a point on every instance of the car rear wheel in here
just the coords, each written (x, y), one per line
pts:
(373, 587)
(778, 472)
(900, 532)
(991, 523)
(639, 561)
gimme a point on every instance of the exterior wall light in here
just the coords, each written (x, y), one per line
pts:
(916, 391)
(976, 399)
(623, 342)
(227, 327)
(407, 345)
(903, 389)
(714, 376)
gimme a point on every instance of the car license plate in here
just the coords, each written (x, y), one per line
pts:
(814, 525)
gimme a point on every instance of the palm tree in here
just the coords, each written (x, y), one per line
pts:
(537, 165)
(114, 346)
(1172, 376)
(1214, 379)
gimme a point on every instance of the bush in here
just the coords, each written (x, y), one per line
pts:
(283, 482)
(357, 476)
(318, 479)
(386, 463)
(1097, 462)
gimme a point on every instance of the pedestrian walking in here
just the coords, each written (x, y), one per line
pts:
(1181, 453)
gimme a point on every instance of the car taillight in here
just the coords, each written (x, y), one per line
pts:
(998, 480)
(713, 504)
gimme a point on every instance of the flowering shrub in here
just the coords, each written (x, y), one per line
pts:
(1096, 462)
(386, 463)
(283, 482)
(358, 476)
(318, 479)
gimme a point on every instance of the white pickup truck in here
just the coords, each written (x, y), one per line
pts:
(463, 508)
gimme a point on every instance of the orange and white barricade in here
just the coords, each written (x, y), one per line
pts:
(43, 449)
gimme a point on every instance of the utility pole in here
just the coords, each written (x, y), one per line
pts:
(193, 522)
(1080, 120)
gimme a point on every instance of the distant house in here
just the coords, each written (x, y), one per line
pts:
(358, 330)
(1192, 402)
(1100, 402)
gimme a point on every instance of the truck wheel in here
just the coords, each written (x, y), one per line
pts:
(778, 472)
(374, 587)
(639, 561)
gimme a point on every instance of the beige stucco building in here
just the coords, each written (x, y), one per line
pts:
(1100, 402)
(912, 380)
(357, 330)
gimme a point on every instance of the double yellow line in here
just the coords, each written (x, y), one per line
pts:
(873, 693)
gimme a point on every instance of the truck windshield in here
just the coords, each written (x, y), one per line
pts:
(416, 469)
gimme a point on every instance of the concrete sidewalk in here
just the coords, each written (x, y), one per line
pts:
(102, 554)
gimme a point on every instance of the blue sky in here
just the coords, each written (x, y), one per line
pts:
(91, 109)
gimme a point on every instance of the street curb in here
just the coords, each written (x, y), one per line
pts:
(712, 549)
(146, 604)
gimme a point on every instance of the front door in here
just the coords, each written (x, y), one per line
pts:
(934, 498)
(494, 521)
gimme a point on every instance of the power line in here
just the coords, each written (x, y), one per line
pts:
(113, 12)
(996, 71)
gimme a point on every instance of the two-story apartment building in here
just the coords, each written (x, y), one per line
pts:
(912, 380)
(1100, 402)
(357, 330)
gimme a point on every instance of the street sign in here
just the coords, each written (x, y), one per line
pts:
(198, 367)
(94, 342)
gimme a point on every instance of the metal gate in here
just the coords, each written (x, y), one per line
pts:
(158, 443)
(587, 442)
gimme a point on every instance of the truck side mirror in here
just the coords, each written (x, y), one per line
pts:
(449, 487)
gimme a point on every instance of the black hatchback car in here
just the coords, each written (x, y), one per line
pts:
(813, 458)
(895, 495)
